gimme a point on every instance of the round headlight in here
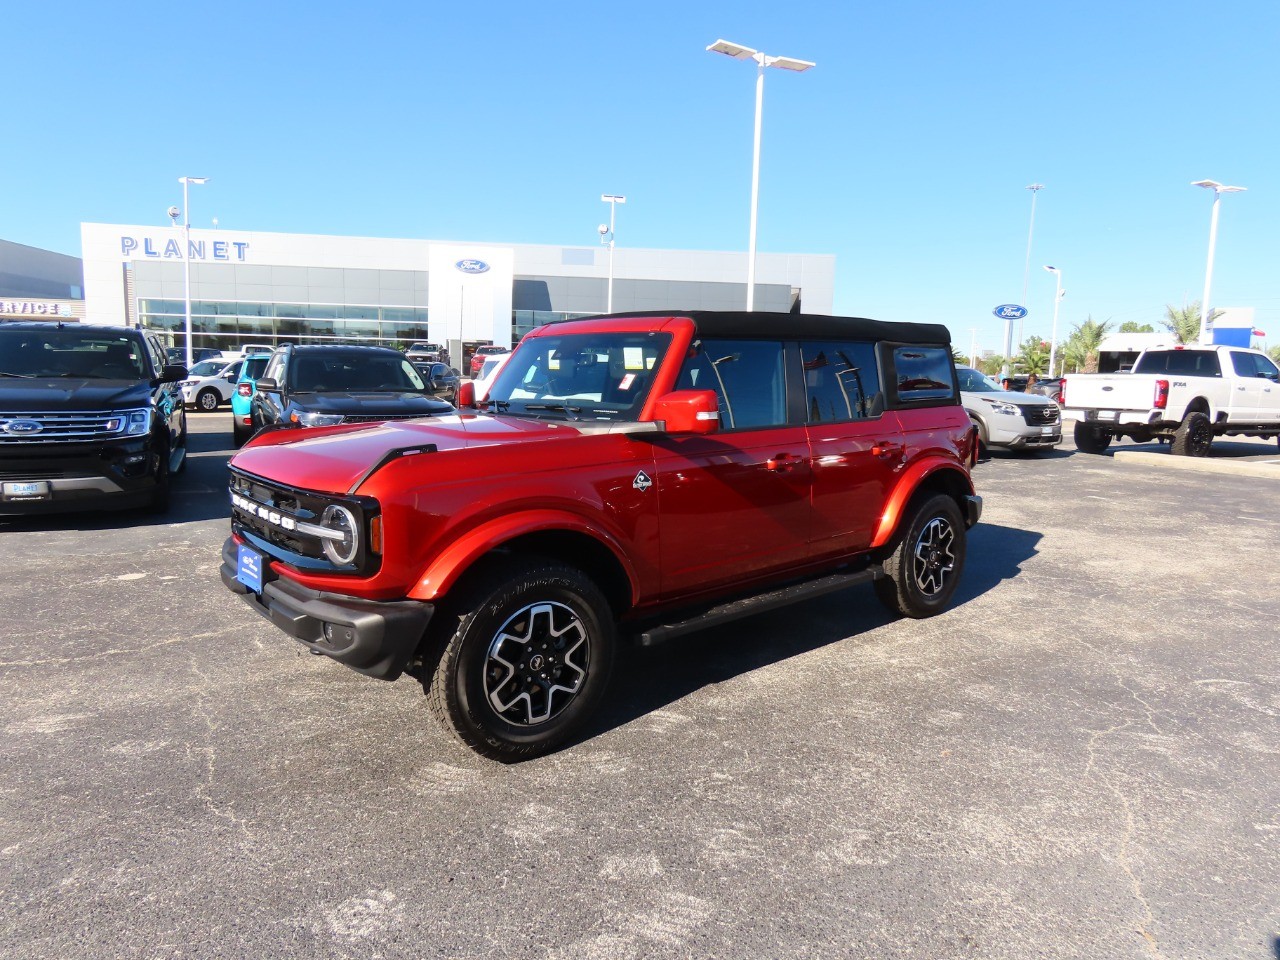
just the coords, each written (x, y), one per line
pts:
(341, 551)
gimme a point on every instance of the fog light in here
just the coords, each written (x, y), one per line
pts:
(337, 633)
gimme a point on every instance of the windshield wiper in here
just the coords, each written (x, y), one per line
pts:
(501, 406)
(562, 407)
(20, 376)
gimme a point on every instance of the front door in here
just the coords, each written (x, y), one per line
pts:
(735, 505)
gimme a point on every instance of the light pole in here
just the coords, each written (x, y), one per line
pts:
(973, 347)
(1057, 299)
(186, 257)
(1218, 190)
(606, 236)
(739, 52)
(1026, 268)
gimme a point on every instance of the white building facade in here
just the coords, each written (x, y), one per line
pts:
(253, 287)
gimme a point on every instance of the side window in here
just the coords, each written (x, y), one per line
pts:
(747, 376)
(1243, 364)
(923, 373)
(1266, 368)
(841, 381)
(275, 368)
(156, 353)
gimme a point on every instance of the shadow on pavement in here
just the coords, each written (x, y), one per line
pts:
(648, 679)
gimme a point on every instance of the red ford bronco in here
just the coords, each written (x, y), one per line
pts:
(640, 475)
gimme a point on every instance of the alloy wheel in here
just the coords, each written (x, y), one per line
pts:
(934, 557)
(537, 663)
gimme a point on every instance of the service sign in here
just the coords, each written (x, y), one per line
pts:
(1010, 311)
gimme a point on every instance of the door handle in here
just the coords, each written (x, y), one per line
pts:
(781, 463)
(885, 449)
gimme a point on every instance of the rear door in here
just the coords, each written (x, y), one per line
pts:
(734, 505)
(855, 446)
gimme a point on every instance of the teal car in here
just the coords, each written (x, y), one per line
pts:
(242, 426)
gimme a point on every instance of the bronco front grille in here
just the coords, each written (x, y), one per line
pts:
(280, 519)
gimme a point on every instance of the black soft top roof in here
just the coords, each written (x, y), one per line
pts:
(809, 326)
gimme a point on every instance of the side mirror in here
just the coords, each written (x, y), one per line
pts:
(267, 385)
(688, 411)
(466, 396)
(173, 373)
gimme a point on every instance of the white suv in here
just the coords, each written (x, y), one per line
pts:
(1004, 418)
(211, 382)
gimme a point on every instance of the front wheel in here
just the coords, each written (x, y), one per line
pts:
(924, 568)
(207, 400)
(1091, 439)
(527, 661)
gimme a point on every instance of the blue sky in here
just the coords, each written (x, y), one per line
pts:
(905, 152)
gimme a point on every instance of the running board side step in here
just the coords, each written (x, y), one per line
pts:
(749, 606)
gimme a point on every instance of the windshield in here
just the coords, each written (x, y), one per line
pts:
(971, 381)
(593, 376)
(330, 373)
(206, 368)
(71, 352)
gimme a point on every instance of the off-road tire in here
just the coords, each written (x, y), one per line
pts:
(207, 400)
(471, 664)
(924, 565)
(1194, 436)
(160, 494)
(1091, 439)
(984, 446)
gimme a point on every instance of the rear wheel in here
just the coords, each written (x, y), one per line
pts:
(922, 571)
(984, 451)
(1193, 437)
(1090, 439)
(527, 659)
(207, 400)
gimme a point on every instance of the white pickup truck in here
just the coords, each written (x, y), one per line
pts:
(1187, 394)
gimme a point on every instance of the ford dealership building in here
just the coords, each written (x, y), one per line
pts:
(277, 287)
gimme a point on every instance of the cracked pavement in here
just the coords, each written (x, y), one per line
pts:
(1080, 759)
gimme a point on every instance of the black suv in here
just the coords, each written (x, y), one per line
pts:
(90, 416)
(318, 386)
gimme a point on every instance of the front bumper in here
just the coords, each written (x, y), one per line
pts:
(84, 476)
(1013, 432)
(376, 638)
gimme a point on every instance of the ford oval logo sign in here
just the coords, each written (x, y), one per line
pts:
(472, 266)
(23, 428)
(1010, 311)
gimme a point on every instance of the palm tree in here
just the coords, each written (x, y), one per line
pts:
(991, 366)
(1033, 356)
(1184, 324)
(1081, 351)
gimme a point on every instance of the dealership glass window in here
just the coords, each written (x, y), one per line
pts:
(923, 373)
(841, 380)
(747, 376)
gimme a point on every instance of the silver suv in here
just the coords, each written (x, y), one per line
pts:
(1007, 419)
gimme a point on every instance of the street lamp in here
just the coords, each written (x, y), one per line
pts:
(186, 258)
(1218, 190)
(606, 236)
(739, 52)
(1057, 299)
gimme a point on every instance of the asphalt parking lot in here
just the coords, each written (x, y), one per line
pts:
(1081, 759)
